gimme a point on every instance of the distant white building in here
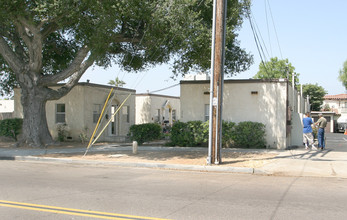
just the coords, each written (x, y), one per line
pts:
(161, 109)
(338, 104)
(6, 109)
(6, 106)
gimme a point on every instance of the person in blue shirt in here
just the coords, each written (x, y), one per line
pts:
(308, 136)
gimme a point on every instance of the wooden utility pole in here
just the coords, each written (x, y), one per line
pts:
(217, 80)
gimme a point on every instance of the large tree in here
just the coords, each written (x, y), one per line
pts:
(43, 42)
(316, 95)
(343, 75)
(275, 69)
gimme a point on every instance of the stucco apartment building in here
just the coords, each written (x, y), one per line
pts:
(338, 106)
(272, 102)
(81, 107)
(153, 108)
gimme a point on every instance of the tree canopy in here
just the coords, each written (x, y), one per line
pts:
(316, 95)
(343, 75)
(275, 69)
(44, 42)
(134, 34)
(117, 82)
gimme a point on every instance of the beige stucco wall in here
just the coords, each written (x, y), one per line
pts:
(6, 106)
(143, 110)
(339, 105)
(268, 106)
(147, 106)
(79, 106)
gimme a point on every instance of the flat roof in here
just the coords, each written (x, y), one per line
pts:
(157, 95)
(236, 81)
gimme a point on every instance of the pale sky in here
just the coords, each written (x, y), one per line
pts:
(311, 34)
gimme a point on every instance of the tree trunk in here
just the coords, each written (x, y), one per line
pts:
(35, 129)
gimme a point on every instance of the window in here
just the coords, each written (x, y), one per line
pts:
(126, 113)
(174, 115)
(60, 113)
(96, 112)
(157, 116)
(207, 112)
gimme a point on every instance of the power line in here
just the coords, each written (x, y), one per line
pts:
(261, 37)
(159, 90)
(273, 23)
(256, 42)
(267, 26)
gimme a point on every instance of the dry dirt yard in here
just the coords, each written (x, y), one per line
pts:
(234, 159)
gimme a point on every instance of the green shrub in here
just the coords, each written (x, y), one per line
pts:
(62, 132)
(83, 135)
(228, 129)
(249, 135)
(315, 132)
(145, 132)
(180, 135)
(189, 134)
(11, 127)
(196, 133)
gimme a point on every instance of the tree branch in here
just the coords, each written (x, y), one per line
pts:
(75, 77)
(74, 67)
(33, 39)
(50, 28)
(10, 57)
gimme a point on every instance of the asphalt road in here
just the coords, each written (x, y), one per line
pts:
(31, 190)
(336, 141)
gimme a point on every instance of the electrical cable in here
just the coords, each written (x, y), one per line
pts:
(273, 22)
(267, 26)
(260, 40)
(159, 90)
(256, 42)
(257, 30)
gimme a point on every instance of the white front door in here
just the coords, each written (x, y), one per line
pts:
(113, 128)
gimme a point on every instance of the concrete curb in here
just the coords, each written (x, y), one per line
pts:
(140, 165)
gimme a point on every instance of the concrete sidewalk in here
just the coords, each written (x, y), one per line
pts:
(297, 162)
(300, 162)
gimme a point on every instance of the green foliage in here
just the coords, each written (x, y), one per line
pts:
(192, 133)
(343, 74)
(62, 132)
(275, 69)
(228, 128)
(249, 135)
(59, 40)
(83, 135)
(195, 133)
(11, 127)
(117, 82)
(145, 132)
(135, 34)
(326, 107)
(316, 95)
(315, 132)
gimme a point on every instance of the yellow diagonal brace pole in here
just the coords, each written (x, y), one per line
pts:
(101, 115)
(109, 121)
